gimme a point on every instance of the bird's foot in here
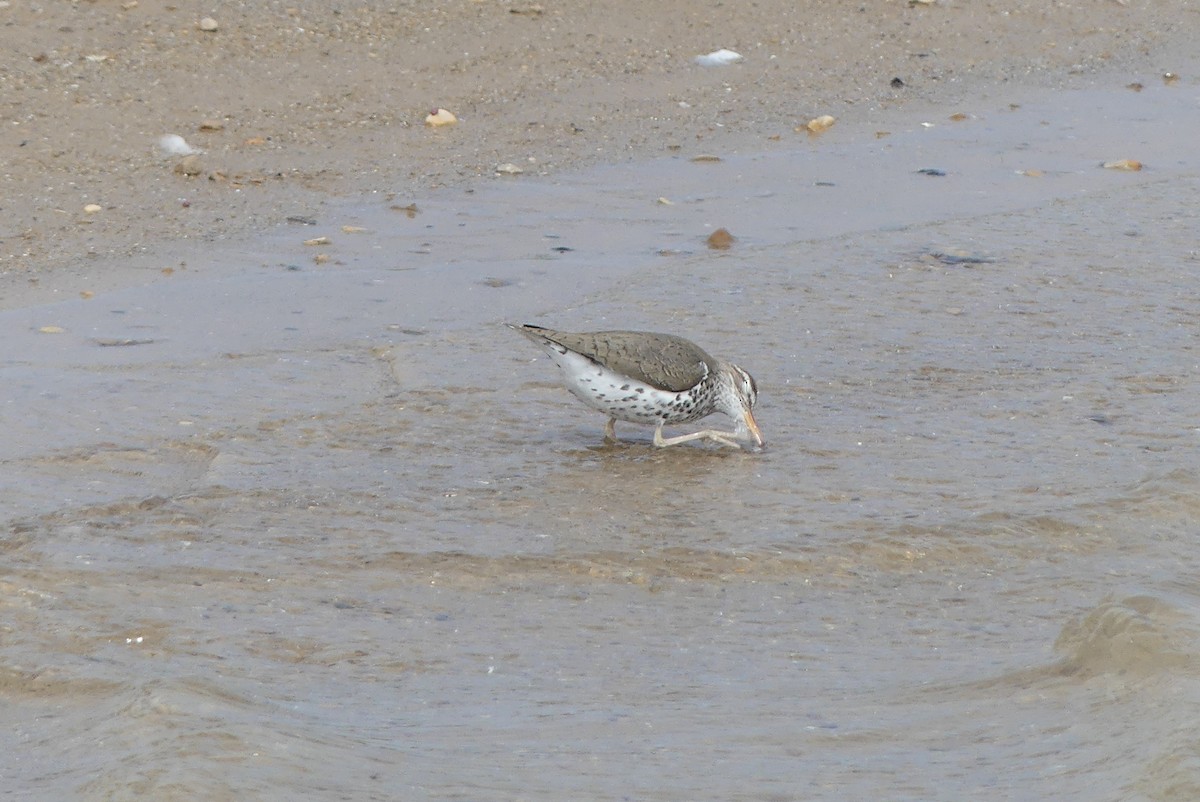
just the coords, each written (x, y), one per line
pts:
(722, 438)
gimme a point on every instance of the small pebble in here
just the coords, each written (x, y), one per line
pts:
(208, 24)
(959, 258)
(721, 240)
(508, 168)
(189, 166)
(92, 208)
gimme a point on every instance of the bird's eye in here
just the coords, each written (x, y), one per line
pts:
(749, 387)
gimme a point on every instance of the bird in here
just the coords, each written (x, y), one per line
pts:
(651, 378)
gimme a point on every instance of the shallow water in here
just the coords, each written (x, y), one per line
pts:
(332, 531)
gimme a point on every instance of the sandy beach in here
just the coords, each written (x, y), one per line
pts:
(293, 105)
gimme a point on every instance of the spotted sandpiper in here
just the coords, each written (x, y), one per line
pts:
(643, 377)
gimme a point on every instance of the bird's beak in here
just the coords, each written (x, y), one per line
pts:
(752, 428)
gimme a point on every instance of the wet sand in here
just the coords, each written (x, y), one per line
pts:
(281, 527)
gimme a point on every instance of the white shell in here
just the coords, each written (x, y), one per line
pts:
(818, 124)
(439, 117)
(175, 145)
(719, 58)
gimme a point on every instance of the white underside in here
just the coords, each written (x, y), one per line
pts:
(615, 395)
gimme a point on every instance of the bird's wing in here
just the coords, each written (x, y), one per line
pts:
(659, 360)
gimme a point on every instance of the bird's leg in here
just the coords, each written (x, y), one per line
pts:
(724, 438)
(610, 431)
